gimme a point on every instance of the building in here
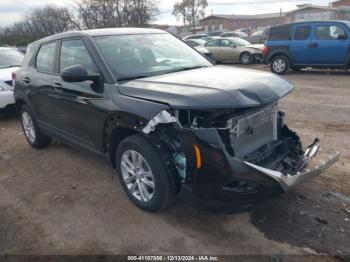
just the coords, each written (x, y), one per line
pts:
(337, 10)
(313, 12)
(233, 22)
(340, 3)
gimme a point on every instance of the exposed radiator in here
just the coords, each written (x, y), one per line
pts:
(250, 132)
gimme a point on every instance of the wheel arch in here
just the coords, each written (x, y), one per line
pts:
(279, 52)
(116, 129)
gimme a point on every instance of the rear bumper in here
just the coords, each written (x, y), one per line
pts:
(225, 183)
(6, 99)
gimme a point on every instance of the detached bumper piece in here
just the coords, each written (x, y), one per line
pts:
(288, 181)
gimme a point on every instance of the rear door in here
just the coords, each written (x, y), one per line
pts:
(39, 81)
(300, 45)
(329, 45)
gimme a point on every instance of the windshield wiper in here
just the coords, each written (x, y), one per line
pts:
(126, 78)
(186, 69)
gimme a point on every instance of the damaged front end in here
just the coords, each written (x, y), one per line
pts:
(234, 157)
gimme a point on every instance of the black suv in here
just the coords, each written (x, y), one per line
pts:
(171, 123)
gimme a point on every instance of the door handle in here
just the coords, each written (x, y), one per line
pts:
(313, 45)
(26, 80)
(57, 86)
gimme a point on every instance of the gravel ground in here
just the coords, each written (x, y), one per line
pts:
(63, 201)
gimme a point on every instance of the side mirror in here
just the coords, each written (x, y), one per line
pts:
(342, 37)
(77, 73)
(74, 73)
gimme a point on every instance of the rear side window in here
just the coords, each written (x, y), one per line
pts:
(280, 33)
(214, 43)
(302, 32)
(329, 32)
(45, 60)
(74, 52)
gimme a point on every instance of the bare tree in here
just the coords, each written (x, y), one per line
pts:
(190, 11)
(115, 13)
(40, 22)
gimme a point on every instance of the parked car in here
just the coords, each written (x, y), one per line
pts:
(214, 33)
(10, 61)
(198, 44)
(234, 49)
(206, 39)
(170, 122)
(195, 42)
(323, 44)
(258, 37)
(230, 34)
(197, 36)
(234, 34)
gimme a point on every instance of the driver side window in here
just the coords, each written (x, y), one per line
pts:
(226, 43)
(74, 52)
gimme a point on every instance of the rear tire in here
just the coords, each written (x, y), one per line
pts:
(31, 129)
(145, 177)
(280, 65)
(246, 58)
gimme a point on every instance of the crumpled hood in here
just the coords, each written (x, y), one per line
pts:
(257, 46)
(215, 87)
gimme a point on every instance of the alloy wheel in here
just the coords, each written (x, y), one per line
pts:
(28, 127)
(137, 175)
(246, 59)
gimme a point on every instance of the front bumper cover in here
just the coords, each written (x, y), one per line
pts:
(206, 187)
(287, 181)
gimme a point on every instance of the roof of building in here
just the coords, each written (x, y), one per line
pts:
(336, 1)
(307, 6)
(259, 16)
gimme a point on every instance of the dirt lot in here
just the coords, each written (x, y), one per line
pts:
(62, 201)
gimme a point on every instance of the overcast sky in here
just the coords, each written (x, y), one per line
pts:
(14, 10)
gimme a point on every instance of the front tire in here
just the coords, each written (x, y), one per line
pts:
(280, 65)
(246, 58)
(31, 130)
(145, 177)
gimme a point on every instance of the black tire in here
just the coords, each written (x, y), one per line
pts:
(164, 193)
(246, 58)
(40, 140)
(280, 64)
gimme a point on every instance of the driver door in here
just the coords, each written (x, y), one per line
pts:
(214, 46)
(229, 50)
(80, 117)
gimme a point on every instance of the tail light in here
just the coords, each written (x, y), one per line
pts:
(13, 79)
(265, 50)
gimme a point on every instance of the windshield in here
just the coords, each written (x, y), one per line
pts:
(240, 42)
(348, 24)
(147, 54)
(10, 58)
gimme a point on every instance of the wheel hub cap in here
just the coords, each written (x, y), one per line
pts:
(245, 59)
(279, 65)
(137, 176)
